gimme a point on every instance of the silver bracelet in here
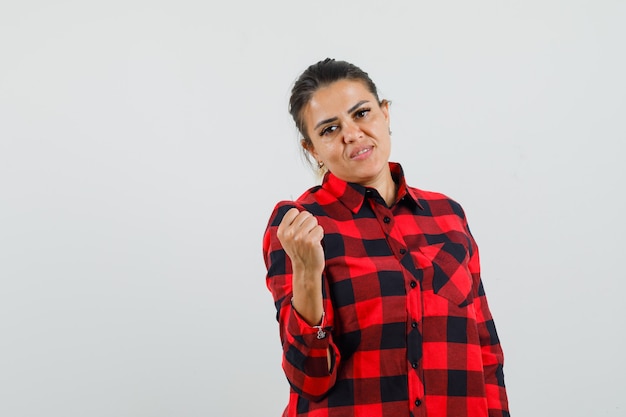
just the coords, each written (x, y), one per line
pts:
(320, 329)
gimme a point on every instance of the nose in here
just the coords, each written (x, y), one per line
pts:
(351, 132)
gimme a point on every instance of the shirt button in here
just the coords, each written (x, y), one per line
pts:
(402, 251)
(414, 325)
(414, 365)
(418, 402)
(413, 284)
(386, 219)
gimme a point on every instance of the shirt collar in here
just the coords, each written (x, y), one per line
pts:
(352, 195)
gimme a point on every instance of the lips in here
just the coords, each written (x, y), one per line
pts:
(360, 152)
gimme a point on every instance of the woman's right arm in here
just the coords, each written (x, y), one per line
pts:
(295, 262)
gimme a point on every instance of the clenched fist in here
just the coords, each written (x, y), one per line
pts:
(301, 237)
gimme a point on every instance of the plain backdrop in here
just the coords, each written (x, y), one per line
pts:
(143, 145)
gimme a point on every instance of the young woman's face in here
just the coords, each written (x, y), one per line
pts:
(349, 131)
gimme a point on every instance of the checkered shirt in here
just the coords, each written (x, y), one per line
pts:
(407, 322)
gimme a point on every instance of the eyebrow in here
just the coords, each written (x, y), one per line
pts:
(350, 110)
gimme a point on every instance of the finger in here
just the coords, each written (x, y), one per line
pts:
(304, 221)
(290, 216)
(317, 233)
(309, 234)
(288, 219)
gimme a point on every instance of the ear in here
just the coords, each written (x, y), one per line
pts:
(384, 106)
(308, 146)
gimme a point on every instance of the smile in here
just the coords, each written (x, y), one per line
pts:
(360, 153)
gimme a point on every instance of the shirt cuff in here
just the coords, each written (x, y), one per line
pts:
(315, 337)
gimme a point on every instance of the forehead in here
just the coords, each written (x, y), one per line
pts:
(335, 99)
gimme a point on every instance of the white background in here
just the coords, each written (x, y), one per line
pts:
(143, 145)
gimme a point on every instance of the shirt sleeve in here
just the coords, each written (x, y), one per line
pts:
(493, 358)
(305, 356)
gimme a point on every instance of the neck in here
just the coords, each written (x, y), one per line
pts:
(390, 193)
(385, 186)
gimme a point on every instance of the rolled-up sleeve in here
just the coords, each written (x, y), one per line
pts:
(305, 356)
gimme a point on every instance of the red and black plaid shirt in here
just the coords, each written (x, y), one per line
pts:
(407, 320)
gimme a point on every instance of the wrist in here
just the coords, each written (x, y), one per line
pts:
(310, 310)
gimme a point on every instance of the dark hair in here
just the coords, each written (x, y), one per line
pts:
(320, 75)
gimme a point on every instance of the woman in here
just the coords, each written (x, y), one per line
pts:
(376, 284)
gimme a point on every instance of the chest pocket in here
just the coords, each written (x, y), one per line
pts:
(451, 277)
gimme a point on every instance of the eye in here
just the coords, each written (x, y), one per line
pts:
(361, 113)
(328, 130)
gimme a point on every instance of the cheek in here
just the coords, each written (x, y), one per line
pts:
(330, 154)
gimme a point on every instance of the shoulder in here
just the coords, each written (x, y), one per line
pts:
(304, 202)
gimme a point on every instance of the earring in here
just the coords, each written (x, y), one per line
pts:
(320, 164)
